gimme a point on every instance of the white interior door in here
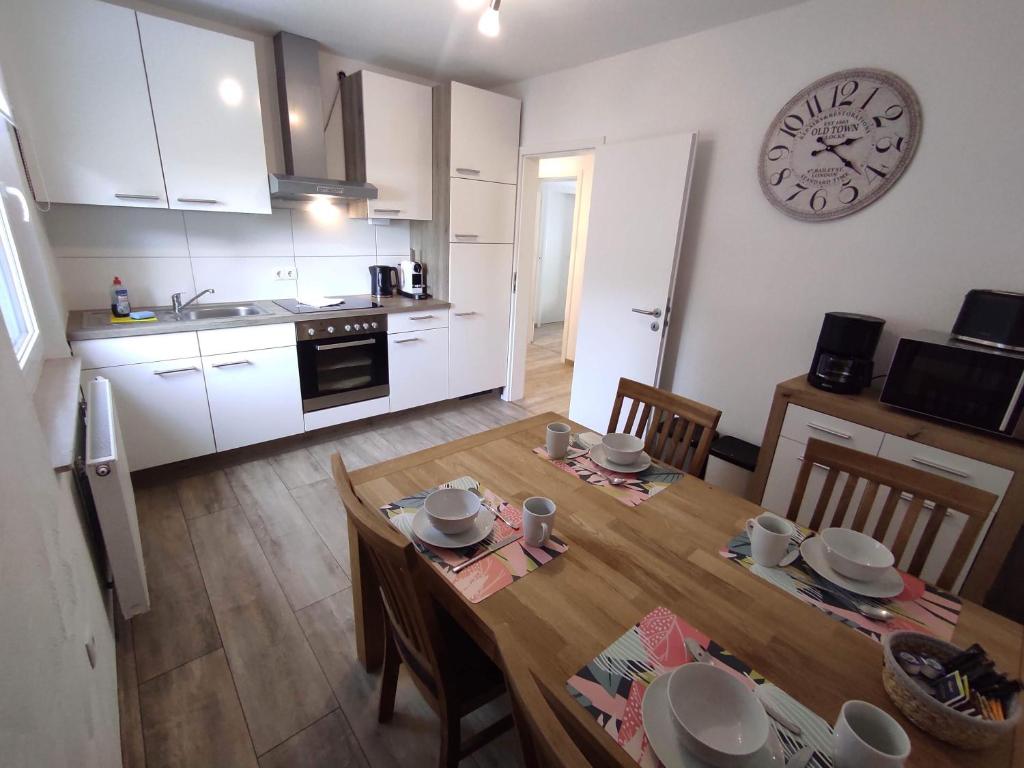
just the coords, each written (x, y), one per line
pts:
(636, 215)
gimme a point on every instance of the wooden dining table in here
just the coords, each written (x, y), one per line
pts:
(625, 561)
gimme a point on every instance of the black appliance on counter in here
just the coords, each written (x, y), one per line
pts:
(992, 318)
(383, 281)
(844, 358)
(342, 360)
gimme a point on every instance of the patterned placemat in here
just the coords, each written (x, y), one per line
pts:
(919, 608)
(491, 573)
(637, 489)
(612, 686)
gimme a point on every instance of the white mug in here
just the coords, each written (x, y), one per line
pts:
(770, 536)
(868, 737)
(558, 439)
(538, 520)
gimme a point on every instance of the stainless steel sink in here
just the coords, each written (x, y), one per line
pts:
(221, 311)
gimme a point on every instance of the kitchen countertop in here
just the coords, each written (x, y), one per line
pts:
(95, 323)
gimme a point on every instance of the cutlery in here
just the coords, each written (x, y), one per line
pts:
(490, 550)
(794, 554)
(498, 515)
(864, 609)
(702, 656)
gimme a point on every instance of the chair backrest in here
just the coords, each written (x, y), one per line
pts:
(544, 741)
(668, 423)
(925, 494)
(396, 564)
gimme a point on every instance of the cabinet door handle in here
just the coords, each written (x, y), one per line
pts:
(406, 341)
(344, 344)
(175, 370)
(464, 314)
(422, 317)
(227, 365)
(468, 171)
(927, 504)
(387, 210)
(814, 464)
(468, 237)
(198, 200)
(829, 431)
(652, 312)
(941, 467)
(122, 196)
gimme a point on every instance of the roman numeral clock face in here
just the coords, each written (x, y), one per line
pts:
(840, 144)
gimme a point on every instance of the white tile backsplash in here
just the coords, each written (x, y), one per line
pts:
(393, 239)
(331, 233)
(150, 282)
(216, 235)
(243, 279)
(334, 275)
(100, 231)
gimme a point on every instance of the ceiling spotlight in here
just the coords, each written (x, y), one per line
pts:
(470, 5)
(489, 24)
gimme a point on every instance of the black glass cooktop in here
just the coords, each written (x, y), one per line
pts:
(344, 303)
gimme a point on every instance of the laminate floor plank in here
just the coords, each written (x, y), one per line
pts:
(205, 493)
(191, 716)
(180, 625)
(327, 743)
(301, 561)
(298, 467)
(323, 508)
(279, 682)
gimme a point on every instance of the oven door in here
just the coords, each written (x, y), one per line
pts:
(343, 370)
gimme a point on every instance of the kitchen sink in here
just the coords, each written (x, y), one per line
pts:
(222, 311)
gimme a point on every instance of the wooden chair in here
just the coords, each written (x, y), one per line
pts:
(670, 423)
(544, 741)
(926, 494)
(453, 675)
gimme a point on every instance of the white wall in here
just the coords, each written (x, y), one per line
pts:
(556, 219)
(754, 284)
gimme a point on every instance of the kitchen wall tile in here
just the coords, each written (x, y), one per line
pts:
(247, 279)
(393, 239)
(86, 281)
(329, 232)
(239, 234)
(334, 276)
(108, 231)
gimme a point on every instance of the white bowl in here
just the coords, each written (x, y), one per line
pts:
(452, 510)
(622, 448)
(856, 555)
(719, 719)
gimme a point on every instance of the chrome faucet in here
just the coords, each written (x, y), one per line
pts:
(176, 304)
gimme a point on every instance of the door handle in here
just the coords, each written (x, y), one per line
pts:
(175, 370)
(464, 314)
(344, 344)
(406, 341)
(421, 317)
(198, 200)
(387, 210)
(121, 196)
(469, 171)
(227, 365)
(941, 467)
(830, 431)
(651, 312)
(467, 237)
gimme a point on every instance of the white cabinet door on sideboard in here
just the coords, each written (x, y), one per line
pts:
(484, 135)
(78, 89)
(479, 291)
(162, 410)
(206, 104)
(418, 368)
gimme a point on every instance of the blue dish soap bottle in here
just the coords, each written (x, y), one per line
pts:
(119, 306)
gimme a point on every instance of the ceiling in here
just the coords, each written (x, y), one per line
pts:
(436, 40)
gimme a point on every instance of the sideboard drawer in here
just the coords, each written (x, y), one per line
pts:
(801, 424)
(945, 464)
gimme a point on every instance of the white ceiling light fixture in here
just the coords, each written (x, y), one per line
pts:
(490, 25)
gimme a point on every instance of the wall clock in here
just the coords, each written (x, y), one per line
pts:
(839, 144)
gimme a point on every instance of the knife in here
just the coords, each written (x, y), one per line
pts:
(490, 550)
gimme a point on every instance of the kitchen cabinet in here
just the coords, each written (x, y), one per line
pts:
(480, 294)
(423, 320)
(206, 105)
(388, 143)
(162, 410)
(418, 368)
(482, 212)
(254, 396)
(78, 89)
(484, 135)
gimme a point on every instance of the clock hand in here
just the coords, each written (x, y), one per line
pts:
(845, 162)
(829, 147)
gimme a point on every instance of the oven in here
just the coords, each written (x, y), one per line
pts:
(342, 360)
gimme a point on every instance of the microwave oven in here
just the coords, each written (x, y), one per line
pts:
(937, 375)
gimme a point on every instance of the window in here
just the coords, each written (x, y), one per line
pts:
(15, 304)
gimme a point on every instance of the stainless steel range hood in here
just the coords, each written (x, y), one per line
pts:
(302, 128)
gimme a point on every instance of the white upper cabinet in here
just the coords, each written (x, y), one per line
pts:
(484, 135)
(78, 89)
(388, 143)
(206, 104)
(482, 212)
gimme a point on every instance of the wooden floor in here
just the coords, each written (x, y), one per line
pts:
(549, 337)
(248, 655)
(548, 379)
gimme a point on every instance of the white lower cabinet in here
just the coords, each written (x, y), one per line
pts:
(418, 368)
(162, 410)
(254, 396)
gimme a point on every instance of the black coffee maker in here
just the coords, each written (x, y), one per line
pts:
(844, 358)
(383, 281)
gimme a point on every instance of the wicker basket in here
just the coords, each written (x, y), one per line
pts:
(931, 715)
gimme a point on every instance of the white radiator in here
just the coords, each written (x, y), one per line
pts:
(111, 486)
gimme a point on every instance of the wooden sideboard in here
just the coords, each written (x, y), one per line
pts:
(863, 419)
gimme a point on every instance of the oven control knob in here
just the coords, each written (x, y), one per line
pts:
(373, 325)
(348, 327)
(330, 329)
(311, 332)
(366, 326)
